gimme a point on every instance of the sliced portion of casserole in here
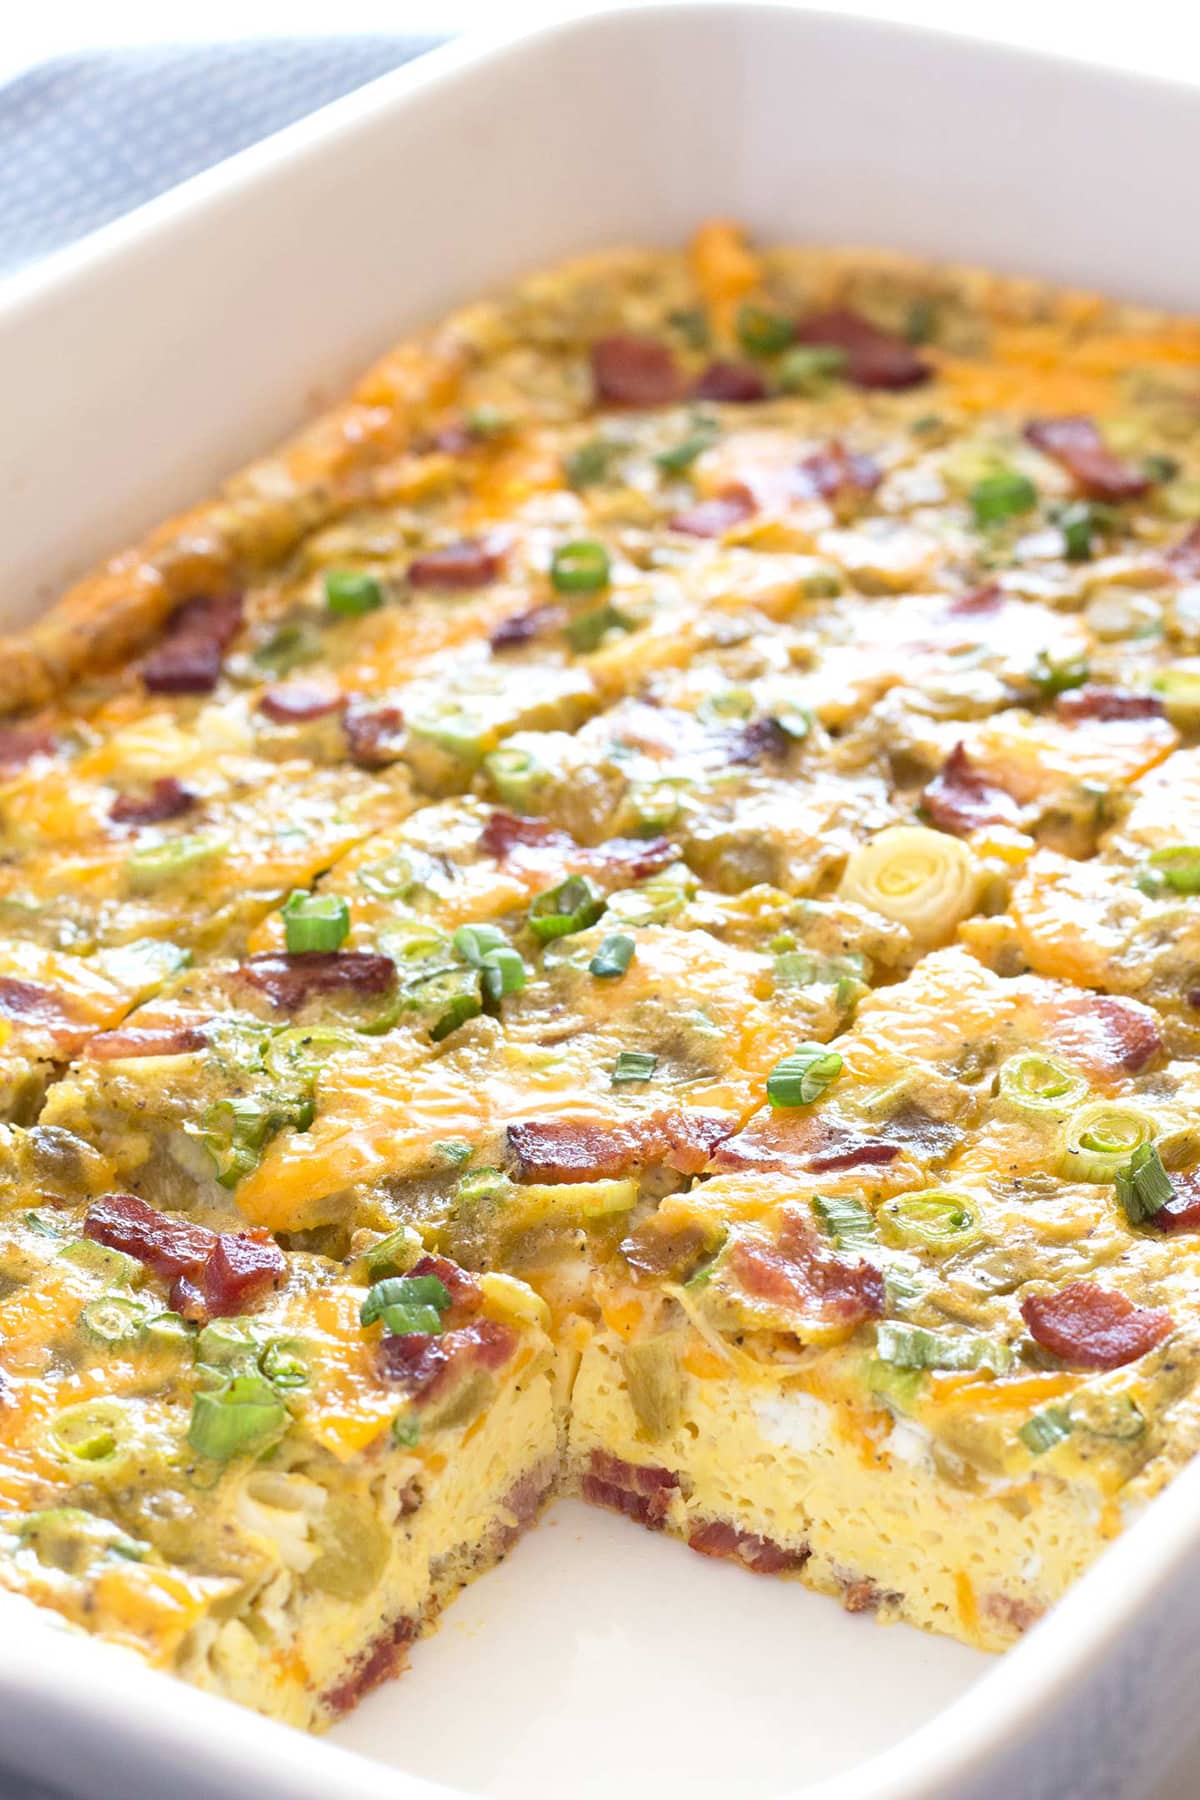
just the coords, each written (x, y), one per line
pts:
(264, 1472)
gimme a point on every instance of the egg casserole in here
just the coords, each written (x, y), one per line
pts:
(618, 918)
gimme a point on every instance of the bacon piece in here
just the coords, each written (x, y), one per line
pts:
(836, 473)
(19, 744)
(762, 739)
(858, 1153)
(130, 1041)
(523, 627)
(166, 799)
(874, 358)
(298, 703)
(802, 1276)
(988, 598)
(635, 858)
(188, 660)
(31, 1004)
(959, 800)
(1108, 1035)
(374, 734)
(462, 1288)
(777, 1138)
(167, 1244)
(714, 517)
(732, 381)
(385, 1658)
(469, 564)
(553, 1150)
(1183, 558)
(422, 1364)
(290, 981)
(746, 1547)
(1093, 1327)
(243, 1268)
(1182, 1211)
(639, 1490)
(634, 371)
(1108, 704)
(1074, 441)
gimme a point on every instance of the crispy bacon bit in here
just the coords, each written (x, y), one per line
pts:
(456, 566)
(19, 744)
(959, 800)
(212, 1276)
(857, 1153)
(754, 1552)
(760, 741)
(1108, 704)
(384, 1660)
(167, 799)
(575, 1150)
(1183, 558)
(986, 599)
(862, 1596)
(1012, 1611)
(836, 473)
(1074, 441)
(732, 381)
(289, 982)
(188, 661)
(1182, 1211)
(874, 358)
(167, 1244)
(298, 703)
(30, 1004)
(462, 1288)
(634, 371)
(1108, 1035)
(1094, 1327)
(524, 627)
(131, 1041)
(801, 1275)
(713, 518)
(374, 734)
(631, 858)
(639, 1490)
(421, 1363)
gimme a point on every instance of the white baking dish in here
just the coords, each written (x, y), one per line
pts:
(141, 366)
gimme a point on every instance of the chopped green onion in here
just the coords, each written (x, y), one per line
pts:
(453, 996)
(1177, 868)
(935, 1220)
(587, 631)
(1100, 1139)
(244, 1415)
(1052, 678)
(117, 1269)
(290, 644)
(1143, 1185)
(590, 463)
(633, 1065)
(1005, 495)
(809, 368)
(1039, 1085)
(515, 774)
(762, 333)
(691, 322)
(296, 1053)
(921, 321)
(1079, 523)
(1180, 690)
(473, 942)
(458, 734)
(912, 1347)
(802, 1077)
(398, 1251)
(613, 957)
(571, 906)
(1045, 1429)
(404, 1291)
(1160, 468)
(488, 422)
(503, 973)
(406, 1429)
(847, 1220)
(482, 1185)
(580, 567)
(161, 864)
(282, 1364)
(236, 1131)
(349, 595)
(114, 1319)
(94, 1432)
(681, 456)
(406, 1321)
(454, 1152)
(223, 1344)
(314, 921)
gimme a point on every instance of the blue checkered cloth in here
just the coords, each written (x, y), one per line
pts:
(88, 137)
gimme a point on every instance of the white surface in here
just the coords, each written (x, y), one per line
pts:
(138, 368)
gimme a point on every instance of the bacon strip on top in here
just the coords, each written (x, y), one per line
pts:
(1074, 441)
(1094, 1327)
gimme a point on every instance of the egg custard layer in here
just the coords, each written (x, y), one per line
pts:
(619, 917)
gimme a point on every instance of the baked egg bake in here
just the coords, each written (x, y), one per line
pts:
(618, 918)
